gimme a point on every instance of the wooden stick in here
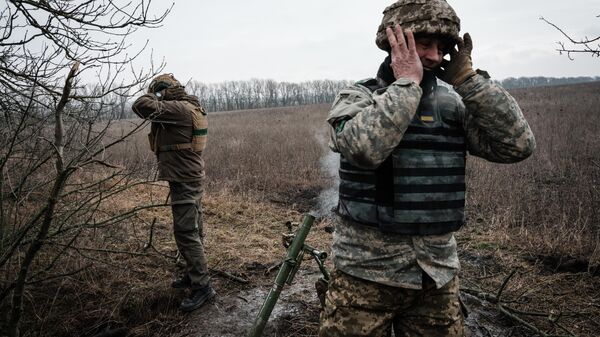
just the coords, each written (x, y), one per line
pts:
(504, 284)
(229, 276)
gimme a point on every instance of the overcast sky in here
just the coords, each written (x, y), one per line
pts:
(215, 41)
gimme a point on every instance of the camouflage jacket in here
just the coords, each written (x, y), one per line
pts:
(366, 127)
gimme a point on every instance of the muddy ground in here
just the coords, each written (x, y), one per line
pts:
(296, 313)
(542, 299)
(233, 314)
(131, 294)
(531, 291)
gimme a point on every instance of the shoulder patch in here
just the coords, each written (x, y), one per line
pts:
(339, 126)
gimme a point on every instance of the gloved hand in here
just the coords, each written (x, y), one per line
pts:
(460, 67)
(174, 93)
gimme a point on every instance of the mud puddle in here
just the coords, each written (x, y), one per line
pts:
(234, 314)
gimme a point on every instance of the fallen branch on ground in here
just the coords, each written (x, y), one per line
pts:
(517, 315)
(229, 276)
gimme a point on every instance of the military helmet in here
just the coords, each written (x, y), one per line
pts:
(163, 81)
(419, 16)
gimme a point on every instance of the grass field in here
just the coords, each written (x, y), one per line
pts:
(538, 218)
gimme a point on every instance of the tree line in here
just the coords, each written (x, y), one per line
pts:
(526, 82)
(263, 93)
(268, 93)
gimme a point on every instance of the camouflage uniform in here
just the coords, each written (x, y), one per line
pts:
(386, 279)
(175, 120)
(356, 307)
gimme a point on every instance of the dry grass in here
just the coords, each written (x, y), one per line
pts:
(244, 215)
(132, 288)
(540, 217)
(263, 153)
(263, 168)
(548, 205)
(267, 152)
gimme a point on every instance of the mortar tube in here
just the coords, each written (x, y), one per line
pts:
(286, 268)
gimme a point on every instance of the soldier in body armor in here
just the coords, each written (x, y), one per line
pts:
(178, 137)
(403, 141)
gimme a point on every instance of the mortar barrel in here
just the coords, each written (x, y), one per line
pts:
(282, 275)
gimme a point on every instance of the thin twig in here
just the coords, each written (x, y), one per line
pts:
(101, 162)
(273, 267)
(229, 276)
(150, 244)
(514, 313)
(480, 294)
(151, 236)
(567, 35)
(100, 250)
(59, 275)
(560, 326)
(506, 311)
(504, 284)
(167, 256)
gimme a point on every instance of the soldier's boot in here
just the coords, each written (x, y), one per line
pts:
(197, 298)
(182, 282)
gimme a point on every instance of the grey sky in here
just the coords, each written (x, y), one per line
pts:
(215, 41)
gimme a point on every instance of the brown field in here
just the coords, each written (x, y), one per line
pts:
(538, 218)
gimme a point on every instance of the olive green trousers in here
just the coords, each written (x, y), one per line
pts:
(186, 206)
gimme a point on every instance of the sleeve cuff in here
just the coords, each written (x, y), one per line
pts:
(404, 82)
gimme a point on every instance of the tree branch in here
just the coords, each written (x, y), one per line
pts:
(581, 46)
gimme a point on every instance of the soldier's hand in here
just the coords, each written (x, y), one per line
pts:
(405, 60)
(460, 67)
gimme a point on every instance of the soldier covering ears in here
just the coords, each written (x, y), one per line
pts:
(403, 141)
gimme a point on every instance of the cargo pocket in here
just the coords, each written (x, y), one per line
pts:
(185, 216)
(328, 322)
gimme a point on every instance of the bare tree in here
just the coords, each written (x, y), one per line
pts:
(574, 46)
(256, 93)
(54, 129)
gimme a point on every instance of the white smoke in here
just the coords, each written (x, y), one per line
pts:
(329, 164)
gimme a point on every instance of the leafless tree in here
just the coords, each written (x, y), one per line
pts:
(575, 46)
(54, 128)
(258, 93)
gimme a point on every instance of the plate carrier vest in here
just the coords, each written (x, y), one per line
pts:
(420, 188)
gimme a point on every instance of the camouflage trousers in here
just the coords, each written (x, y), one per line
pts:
(186, 206)
(356, 307)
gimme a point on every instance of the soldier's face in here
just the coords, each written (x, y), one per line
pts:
(430, 49)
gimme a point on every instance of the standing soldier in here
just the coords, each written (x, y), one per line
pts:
(403, 141)
(178, 137)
